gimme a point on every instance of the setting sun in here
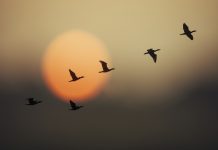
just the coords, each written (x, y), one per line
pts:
(79, 51)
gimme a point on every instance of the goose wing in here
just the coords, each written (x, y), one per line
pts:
(156, 50)
(185, 28)
(154, 56)
(104, 65)
(73, 75)
(72, 104)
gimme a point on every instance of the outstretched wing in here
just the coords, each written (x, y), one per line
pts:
(154, 56)
(72, 104)
(185, 28)
(156, 50)
(73, 75)
(104, 65)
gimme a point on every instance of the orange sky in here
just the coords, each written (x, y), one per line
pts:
(126, 27)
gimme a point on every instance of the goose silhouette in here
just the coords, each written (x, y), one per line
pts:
(151, 52)
(33, 102)
(74, 77)
(74, 106)
(105, 67)
(187, 32)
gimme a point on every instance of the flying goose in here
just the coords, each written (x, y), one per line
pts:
(105, 67)
(74, 77)
(33, 102)
(187, 32)
(74, 106)
(151, 52)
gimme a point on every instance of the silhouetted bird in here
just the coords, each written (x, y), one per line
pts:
(74, 77)
(187, 32)
(105, 67)
(74, 106)
(32, 101)
(151, 52)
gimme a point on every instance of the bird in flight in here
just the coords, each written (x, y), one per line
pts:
(74, 77)
(187, 32)
(32, 101)
(74, 106)
(105, 67)
(151, 52)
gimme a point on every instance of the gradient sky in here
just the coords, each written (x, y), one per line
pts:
(168, 105)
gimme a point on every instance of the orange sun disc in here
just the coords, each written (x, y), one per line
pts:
(79, 51)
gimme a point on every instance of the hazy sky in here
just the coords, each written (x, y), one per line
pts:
(171, 104)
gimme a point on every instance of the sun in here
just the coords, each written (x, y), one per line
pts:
(79, 51)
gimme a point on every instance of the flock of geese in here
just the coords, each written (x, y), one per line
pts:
(151, 52)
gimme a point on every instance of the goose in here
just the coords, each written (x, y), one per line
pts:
(74, 106)
(74, 77)
(33, 102)
(105, 67)
(151, 52)
(187, 32)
